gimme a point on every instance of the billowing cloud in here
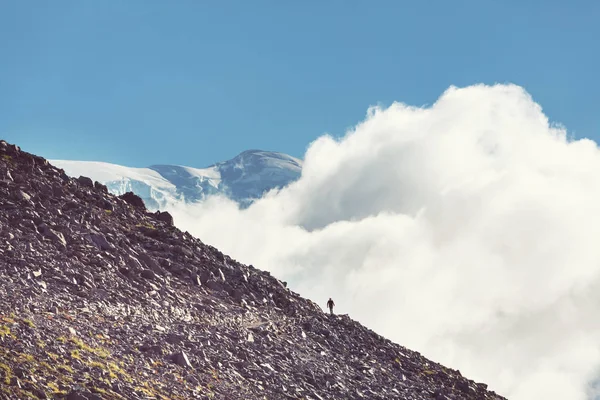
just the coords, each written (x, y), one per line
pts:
(467, 231)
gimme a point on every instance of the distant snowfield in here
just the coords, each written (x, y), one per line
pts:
(243, 179)
(106, 172)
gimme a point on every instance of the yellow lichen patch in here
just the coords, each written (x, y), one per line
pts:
(55, 389)
(5, 331)
(146, 225)
(75, 354)
(28, 322)
(102, 353)
(79, 343)
(114, 369)
(105, 381)
(144, 390)
(147, 390)
(65, 367)
(106, 393)
(95, 389)
(7, 158)
(215, 374)
(7, 373)
(24, 357)
(24, 394)
(99, 351)
(8, 320)
(157, 363)
(5, 390)
(96, 364)
(45, 365)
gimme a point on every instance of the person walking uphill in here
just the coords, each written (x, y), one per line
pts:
(330, 305)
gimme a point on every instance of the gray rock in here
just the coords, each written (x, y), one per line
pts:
(24, 196)
(99, 240)
(100, 187)
(150, 263)
(107, 205)
(82, 396)
(134, 200)
(164, 217)
(85, 181)
(53, 235)
(173, 338)
(57, 191)
(133, 263)
(236, 294)
(196, 279)
(181, 359)
(148, 274)
(213, 285)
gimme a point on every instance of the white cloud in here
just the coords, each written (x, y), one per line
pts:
(467, 231)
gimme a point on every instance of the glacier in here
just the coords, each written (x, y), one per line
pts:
(244, 178)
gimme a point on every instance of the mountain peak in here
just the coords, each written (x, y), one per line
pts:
(263, 156)
(256, 151)
(244, 178)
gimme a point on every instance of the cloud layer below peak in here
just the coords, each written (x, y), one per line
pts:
(467, 231)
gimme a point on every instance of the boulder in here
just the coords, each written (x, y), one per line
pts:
(100, 187)
(236, 294)
(52, 234)
(134, 200)
(150, 263)
(181, 359)
(213, 285)
(85, 181)
(98, 240)
(23, 196)
(107, 205)
(148, 274)
(164, 216)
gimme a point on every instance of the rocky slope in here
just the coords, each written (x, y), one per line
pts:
(243, 179)
(101, 299)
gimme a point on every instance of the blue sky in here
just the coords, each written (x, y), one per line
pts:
(193, 82)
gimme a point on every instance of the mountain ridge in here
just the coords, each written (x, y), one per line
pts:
(101, 299)
(244, 178)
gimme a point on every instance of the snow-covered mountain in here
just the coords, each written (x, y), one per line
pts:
(244, 178)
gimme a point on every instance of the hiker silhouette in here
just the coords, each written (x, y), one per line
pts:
(330, 305)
